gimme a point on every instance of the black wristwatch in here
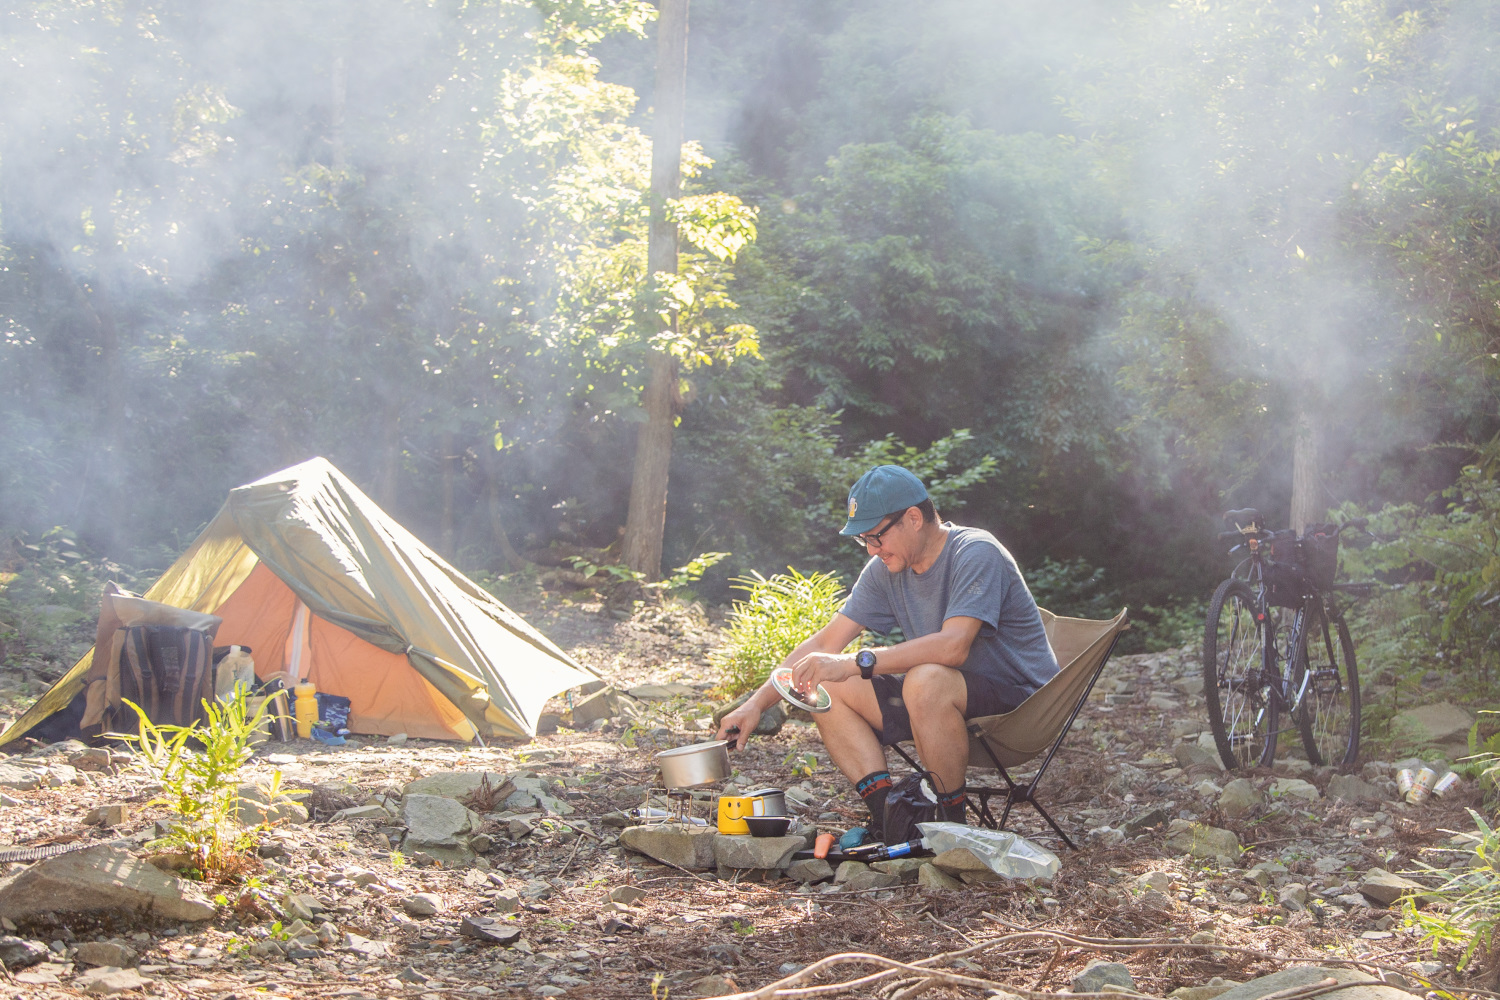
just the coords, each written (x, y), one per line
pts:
(865, 660)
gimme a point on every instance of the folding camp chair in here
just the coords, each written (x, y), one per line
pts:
(1040, 723)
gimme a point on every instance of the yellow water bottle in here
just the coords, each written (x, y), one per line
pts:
(307, 709)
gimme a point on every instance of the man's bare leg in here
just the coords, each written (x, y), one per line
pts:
(936, 698)
(849, 728)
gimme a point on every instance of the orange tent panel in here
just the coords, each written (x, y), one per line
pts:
(386, 695)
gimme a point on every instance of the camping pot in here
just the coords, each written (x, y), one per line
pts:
(772, 802)
(699, 764)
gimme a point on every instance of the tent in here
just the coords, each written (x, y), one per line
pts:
(318, 581)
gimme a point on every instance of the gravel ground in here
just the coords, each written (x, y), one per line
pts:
(1119, 765)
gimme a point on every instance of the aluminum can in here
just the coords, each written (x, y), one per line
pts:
(1444, 783)
(1422, 787)
(1405, 778)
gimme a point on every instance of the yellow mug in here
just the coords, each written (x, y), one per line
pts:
(732, 812)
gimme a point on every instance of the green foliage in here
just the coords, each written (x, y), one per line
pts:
(801, 765)
(1446, 569)
(49, 600)
(777, 614)
(1469, 902)
(198, 767)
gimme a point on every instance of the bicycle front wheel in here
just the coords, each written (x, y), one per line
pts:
(1328, 707)
(1237, 683)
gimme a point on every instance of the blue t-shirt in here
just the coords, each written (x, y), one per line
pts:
(974, 577)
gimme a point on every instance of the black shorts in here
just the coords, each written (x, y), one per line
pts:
(987, 696)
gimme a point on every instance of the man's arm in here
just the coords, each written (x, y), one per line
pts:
(831, 638)
(948, 647)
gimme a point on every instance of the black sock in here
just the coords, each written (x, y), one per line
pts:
(951, 805)
(873, 788)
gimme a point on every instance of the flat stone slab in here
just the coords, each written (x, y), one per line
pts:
(1306, 975)
(1433, 723)
(1385, 888)
(690, 847)
(1295, 788)
(932, 877)
(97, 879)
(1202, 841)
(22, 778)
(1353, 788)
(740, 851)
(810, 870)
(459, 784)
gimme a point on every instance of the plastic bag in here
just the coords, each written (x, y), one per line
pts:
(1004, 852)
(910, 803)
(232, 669)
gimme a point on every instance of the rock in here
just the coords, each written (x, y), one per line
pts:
(871, 879)
(743, 851)
(411, 975)
(810, 870)
(1352, 788)
(438, 826)
(662, 692)
(1216, 987)
(1098, 974)
(1306, 975)
(301, 906)
(603, 704)
(1427, 724)
(1294, 788)
(690, 847)
(1239, 799)
(847, 870)
(932, 877)
(1293, 896)
(1142, 822)
(1106, 836)
(423, 904)
(490, 930)
(506, 901)
(375, 812)
(1385, 888)
(399, 739)
(18, 953)
(15, 776)
(1190, 754)
(630, 895)
(112, 814)
(1160, 881)
(904, 868)
(713, 986)
(460, 785)
(1293, 765)
(105, 953)
(92, 759)
(771, 721)
(99, 878)
(1265, 872)
(365, 947)
(107, 981)
(1202, 841)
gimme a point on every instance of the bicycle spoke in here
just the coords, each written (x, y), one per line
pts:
(1329, 712)
(1242, 706)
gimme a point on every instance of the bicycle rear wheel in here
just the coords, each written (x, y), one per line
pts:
(1328, 712)
(1237, 684)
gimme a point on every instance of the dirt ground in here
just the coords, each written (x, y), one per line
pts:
(1117, 766)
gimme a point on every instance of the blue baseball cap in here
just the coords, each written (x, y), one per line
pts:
(882, 491)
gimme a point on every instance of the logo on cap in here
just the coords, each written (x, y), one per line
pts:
(853, 506)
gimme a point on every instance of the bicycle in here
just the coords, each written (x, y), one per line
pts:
(1269, 649)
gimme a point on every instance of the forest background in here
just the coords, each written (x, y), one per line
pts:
(1101, 273)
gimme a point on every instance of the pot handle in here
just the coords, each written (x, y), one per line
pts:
(732, 731)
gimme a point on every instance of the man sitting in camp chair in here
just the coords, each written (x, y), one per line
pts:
(974, 644)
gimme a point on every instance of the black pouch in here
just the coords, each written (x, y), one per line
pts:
(911, 801)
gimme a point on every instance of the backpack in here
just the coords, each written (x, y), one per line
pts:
(168, 671)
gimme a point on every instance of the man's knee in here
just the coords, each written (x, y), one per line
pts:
(931, 687)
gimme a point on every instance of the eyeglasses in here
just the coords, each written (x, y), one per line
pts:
(873, 541)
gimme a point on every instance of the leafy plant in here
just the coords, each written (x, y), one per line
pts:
(778, 613)
(1472, 899)
(201, 786)
(803, 765)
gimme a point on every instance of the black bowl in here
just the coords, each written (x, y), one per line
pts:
(768, 826)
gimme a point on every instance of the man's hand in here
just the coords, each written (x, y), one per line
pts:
(746, 717)
(818, 668)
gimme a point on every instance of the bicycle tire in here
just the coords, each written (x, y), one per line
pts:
(1329, 713)
(1242, 707)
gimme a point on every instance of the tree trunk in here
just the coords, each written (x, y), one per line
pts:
(513, 559)
(1308, 506)
(390, 459)
(646, 520)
